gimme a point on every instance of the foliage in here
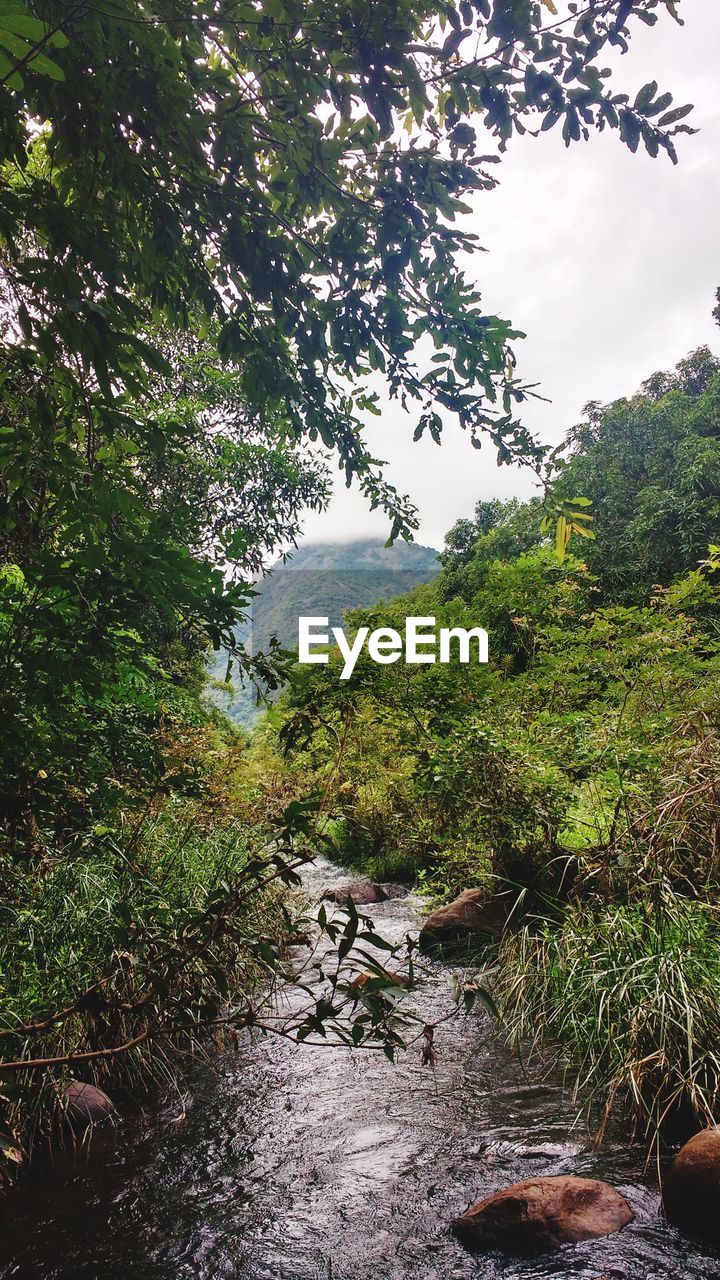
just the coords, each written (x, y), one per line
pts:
(245, 163)
(631, 994)
(197, 186)
(152, 938)
(579, 768)
(651, 467)
(220, 225)
(114, 583)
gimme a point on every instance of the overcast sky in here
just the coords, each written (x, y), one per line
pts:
(608, 261)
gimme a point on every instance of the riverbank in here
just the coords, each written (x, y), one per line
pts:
(291, 1162)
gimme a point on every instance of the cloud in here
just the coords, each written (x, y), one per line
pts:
(608, 261)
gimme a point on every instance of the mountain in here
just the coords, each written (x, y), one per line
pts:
(321, 580)
(327, 579)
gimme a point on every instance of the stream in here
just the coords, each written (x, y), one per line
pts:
(302, 1163)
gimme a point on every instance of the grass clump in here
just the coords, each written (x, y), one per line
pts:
(630, 992)
(120, 960)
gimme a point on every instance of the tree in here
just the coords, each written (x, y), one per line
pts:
(283, 181)
(294, 171)
(114, 582)
(651, 466)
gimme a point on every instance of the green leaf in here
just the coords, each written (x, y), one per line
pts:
(28, 58)
(644, 98)
(672, 117)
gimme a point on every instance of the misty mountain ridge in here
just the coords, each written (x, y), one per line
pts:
(321, 579)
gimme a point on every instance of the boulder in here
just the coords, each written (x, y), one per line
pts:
(471, 915)
(362, 892)
(691, 1191)
(542, 1214)
(395, 890)
(85, 1105)
(297, 940)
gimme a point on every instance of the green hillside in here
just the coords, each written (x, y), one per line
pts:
(322, 579)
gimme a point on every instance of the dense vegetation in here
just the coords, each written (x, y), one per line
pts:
(219, 223)
(577, 776)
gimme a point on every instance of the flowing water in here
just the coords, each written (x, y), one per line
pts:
(303, 1163)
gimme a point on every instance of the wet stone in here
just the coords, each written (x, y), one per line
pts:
(543, 1213)
(86, 1105)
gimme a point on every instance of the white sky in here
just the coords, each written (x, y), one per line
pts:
(608, 261)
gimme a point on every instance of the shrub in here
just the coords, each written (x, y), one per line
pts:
(631, 994)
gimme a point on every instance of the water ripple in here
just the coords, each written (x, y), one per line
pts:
(299, 1164)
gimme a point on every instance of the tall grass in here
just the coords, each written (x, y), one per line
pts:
(632, 996)
(125, 939)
